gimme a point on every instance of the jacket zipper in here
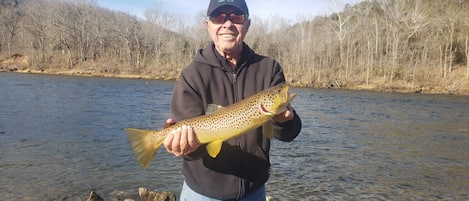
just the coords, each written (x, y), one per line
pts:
(235, 88)
(242, 185)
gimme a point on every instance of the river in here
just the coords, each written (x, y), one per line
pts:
(61, 137)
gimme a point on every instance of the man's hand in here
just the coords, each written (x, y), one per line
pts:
(285, 116)
(180, 141)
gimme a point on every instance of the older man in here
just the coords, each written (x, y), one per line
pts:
(223, 73)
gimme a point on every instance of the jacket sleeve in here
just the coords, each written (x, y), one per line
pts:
(289, 130)
(187, 103)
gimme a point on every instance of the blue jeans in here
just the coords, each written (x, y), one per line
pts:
(187, 194)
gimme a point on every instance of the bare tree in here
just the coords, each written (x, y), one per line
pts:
(383, 41)
(9, 23)
(338, 25)
(38, 23)
(467, 56)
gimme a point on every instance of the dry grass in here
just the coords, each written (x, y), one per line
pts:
(456, 83)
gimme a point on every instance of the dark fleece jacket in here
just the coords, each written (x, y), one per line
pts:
(243, 163)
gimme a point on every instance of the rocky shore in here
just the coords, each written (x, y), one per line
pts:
(144, 195)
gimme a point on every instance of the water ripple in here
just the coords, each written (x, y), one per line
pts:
(61, 137)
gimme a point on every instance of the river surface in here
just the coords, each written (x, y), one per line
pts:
(62, 137)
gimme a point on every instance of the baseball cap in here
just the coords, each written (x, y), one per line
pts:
(214, 4)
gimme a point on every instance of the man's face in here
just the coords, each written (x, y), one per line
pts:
(227, 36)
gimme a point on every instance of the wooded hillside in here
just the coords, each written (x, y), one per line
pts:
(402, 45)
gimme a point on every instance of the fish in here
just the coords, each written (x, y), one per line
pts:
(219, 125)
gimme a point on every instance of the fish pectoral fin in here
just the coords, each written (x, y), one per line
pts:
(268, 130)
(214, 148)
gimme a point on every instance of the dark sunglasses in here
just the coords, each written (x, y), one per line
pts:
(220, 18)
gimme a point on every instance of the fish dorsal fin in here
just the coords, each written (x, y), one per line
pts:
(214, 148)
(211, 108)
(268, 130)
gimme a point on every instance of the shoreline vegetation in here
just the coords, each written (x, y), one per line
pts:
(21, 64)
(379, 45)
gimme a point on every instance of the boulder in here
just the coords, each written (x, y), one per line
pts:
(94, 197)
(148, 195)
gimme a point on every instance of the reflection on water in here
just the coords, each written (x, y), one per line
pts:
(61, 137)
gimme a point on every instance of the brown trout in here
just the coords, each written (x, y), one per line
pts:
(215, 127)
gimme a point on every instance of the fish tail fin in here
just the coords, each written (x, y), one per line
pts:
(144, 144)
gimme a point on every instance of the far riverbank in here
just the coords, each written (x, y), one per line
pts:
(398, 86)
(456, 84)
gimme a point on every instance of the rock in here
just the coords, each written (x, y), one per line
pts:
(144, 193)
(94, 197)
(122, 195)
(148, 195)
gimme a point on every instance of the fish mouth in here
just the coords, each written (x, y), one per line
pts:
(264, 110)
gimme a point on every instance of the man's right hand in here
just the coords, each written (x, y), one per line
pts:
(180, 141)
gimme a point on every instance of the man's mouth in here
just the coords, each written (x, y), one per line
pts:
(227, 35)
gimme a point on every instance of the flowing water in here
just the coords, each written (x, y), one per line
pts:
(61, 137)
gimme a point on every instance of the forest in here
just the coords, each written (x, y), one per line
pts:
(386, 45)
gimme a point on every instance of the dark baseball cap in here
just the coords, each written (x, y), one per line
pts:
(214, 4)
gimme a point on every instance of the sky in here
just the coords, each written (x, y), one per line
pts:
(292, 10)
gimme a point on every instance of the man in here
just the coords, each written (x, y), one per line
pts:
(223, 73)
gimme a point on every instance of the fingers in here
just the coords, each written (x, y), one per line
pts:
(284, 116)
(181, 141)
(168, 141)
(169, 123)
(192, 140)
(175, 144)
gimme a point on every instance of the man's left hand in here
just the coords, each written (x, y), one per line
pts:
(285, 116)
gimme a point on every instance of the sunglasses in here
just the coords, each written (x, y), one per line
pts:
(220, 18)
